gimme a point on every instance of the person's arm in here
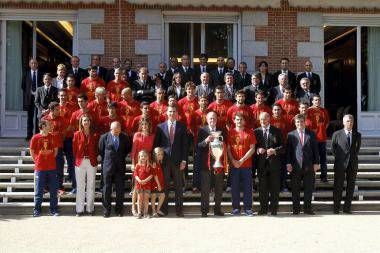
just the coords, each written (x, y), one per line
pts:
(235, 163)
(334, 144)
(247, 155)
(146, 180)
(55, 151)
(138, 179)
(289, 153)
(157, 182)
(358, 142)
(101, 147)
(32, 154)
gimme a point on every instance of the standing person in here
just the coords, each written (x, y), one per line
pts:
(240, 107)
(345, 147)
(171, 135)
(318, 121)
(251, 89)
(204, 88)
(243, 78)
(241, 147)
(266, 78)
(164, 75)
(217, 75)
(304, 93)
(289, 106)
(176, 88)
(92, 82)
(143, 87)
(285, 70)
(229, 87)
(31, 80)
(268, 162)
(302, 162)
(259, 107)
(315, 80)
(158, 182)
(114, 146)
(187, 72)
(100, 71)
(78, 73)
(143, 177)
(71, 89)
(45, 95)
(160, 105)
(98, 106)
(116, 85)
(130, 74)
(206, 162)
(220, 106)
(85, 151)
(128, 109)
(59, 81)
(116, 64)
(43, 150)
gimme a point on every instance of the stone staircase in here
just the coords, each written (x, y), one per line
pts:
(17, 184)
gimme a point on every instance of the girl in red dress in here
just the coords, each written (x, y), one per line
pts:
(143, 186)
(158, 182)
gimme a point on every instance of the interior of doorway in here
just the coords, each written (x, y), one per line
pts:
(340, 73)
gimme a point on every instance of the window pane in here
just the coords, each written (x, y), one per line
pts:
(179, 39)
(219, 40)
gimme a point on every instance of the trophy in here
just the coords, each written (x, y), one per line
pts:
(216, 147)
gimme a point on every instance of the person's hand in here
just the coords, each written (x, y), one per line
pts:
(261, 151)
(159, 188)
(316, 167)
(236, 163)
(209, 139)
(289, 168)
(182, 166)
(271, 151)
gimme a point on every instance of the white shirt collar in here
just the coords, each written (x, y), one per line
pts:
(346, 131)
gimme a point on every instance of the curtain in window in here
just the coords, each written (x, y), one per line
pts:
(13, 99)
(373, 69)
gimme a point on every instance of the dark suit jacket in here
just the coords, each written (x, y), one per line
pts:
(114, 160)
(217, 79)
(302, 157)
(274, 141)
(198, 72)
(241, 82)
(79, 77)
(275, 94)
(146, 90)
(132, 76)
(250, 92)
(110, 75)
(26, 86)
(302, 96)
(177, 152)
(291, 78)
(43, 99)
(200, 90)
(203, 147)
(172, 91)
(315, 82)
(188, 76)
(269, 81)
(166, 79)
(345, 154)
(102, 72)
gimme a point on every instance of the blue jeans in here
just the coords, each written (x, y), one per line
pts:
(244, 176)
(46, 178)
(66, 150)
(322, 158)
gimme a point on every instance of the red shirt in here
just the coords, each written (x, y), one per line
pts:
(290, 109)
(65, 112)
(247, 114)
(157, 172)
(74, 120)
(128, 111)
(88, 86)
(319, 120)
(72, 94)
(281, 124)
(114, 90)
(189, 107)
(43, 147)
(104, 123)
(85, 146)
(143, 172)
(160, 109)
(200, 121)
(59, 126)
(221, 110)
(257, 109)
(141, 142)
(99, 109)
(239, 143)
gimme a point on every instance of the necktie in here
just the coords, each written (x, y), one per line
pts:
(309, 75)
(34, 81)
(266, 137)
(185, 69)
(47, 91)
(75, 72)
(171, 133)
(220, 72)
(301, 137)
(116, 142)
(349, 139)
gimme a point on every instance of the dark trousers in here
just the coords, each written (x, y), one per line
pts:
(43, 179)
(197, 170)
(208, 177)
(269, 188)
(177, 174)
(244, 176)
(66, 150)
(339, 176)
(32, 120)
(323, 158)
(116, 177)
(283, 172)
(308, 178)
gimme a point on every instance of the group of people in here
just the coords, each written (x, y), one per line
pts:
(272, 126)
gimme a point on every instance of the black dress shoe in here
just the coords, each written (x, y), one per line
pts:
(296, 212)
(274, 213)
(309, 212)
(106, 215)
(218, 213)
(347, 211)
(204, 215)
(261, 212)
(179, 214)
(121, 214)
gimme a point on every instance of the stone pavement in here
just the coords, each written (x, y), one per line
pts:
(286, 233)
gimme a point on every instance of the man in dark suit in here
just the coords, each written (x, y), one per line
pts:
(114, 146)
(285, 70)
(278, 91)
(143, 88)
(101, 71)
(131, 75)
(171, 135)
(164, 75)
(186, 70)
(217, 75)
(45, 95)
(304, 94)
(302, 162)
(315, 81)
(111, 72)
(269, 148)
(78, 73)
(31, 80)
(206, 162)
(198, 70)
(345, 147)
(173, 68)
(243, 79)
(251, 89)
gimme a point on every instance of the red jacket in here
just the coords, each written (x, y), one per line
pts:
(80, 143)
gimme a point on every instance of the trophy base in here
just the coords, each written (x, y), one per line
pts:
(217, 164)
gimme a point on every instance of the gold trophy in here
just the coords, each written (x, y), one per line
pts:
(216, 147)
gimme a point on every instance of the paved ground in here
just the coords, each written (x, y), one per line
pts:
(321, 233)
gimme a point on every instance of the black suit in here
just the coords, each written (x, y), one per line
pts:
(28, 100)
(217, 78)
(269, 82)
(172, 91)
(292, 80)
(207, 174)
(166, 79)
(143, 91)
(186, 76)
(315, 82)
(44, 98)
(175, 153)
(250, 92)
(79, 76)
(345, 165)
(269, 167)
(110, 75)
(202, 91)
(302, 158)
(102, 73)
(304, 97)
(242, 82)
(132, 76)
(113, 169)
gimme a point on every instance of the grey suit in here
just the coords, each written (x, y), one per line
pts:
(201, 91)
(44, 98)
(345, 166)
